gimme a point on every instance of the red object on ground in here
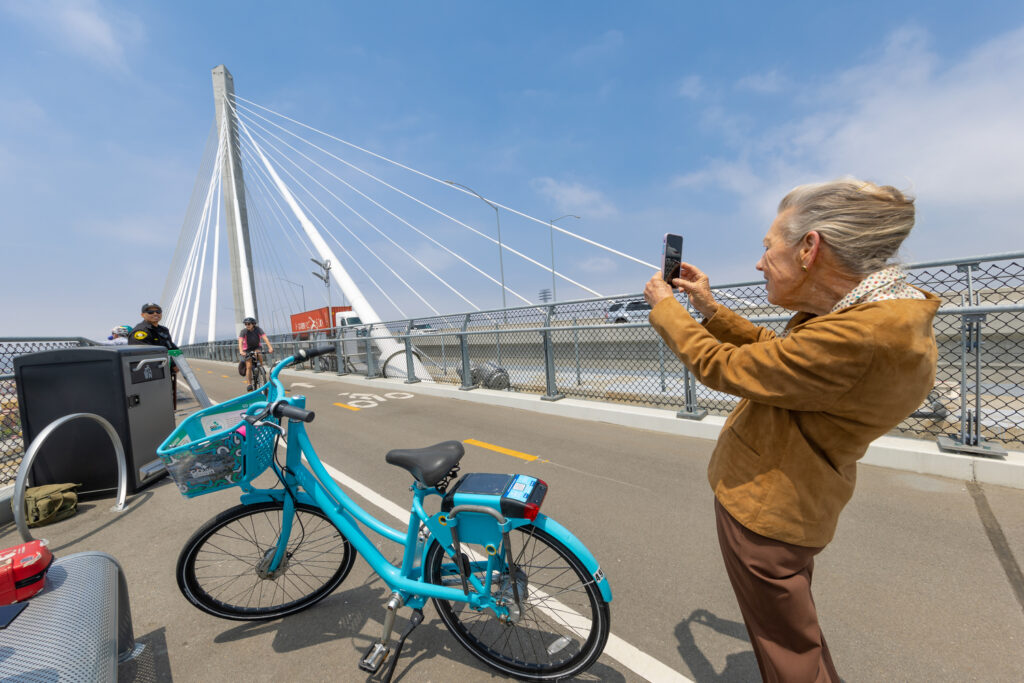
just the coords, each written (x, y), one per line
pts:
(317, 319)
(23, 571)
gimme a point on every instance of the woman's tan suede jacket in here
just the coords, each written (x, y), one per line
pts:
(785, 463)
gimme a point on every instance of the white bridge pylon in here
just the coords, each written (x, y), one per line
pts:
(388, 345)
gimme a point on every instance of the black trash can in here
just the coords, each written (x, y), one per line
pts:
(129, 386)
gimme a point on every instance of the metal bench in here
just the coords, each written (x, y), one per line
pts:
(79, 627)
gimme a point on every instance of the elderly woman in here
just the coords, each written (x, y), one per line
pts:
(855, 360)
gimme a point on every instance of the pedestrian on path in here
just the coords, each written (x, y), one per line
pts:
(856, 359)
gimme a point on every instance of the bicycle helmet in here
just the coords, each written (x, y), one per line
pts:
(120, 330)
(249, 320)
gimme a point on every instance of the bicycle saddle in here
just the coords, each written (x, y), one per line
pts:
(428, 465)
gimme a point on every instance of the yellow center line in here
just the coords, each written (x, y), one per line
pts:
(224, 376)
(342, 405)
(499, 449)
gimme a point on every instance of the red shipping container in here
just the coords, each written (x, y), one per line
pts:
(23, 571)
(315, 320)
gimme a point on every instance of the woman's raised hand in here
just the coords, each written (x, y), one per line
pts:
(694, 282)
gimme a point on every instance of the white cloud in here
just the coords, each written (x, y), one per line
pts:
(691, 87)
(598, 264)
(766, 83)
(82, 27)
(950, 131)
(575, 198)
(608, 43)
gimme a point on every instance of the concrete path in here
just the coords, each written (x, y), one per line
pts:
(922, 583)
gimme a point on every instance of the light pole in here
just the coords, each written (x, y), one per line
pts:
(300, 287)
(497, 218)
(554, 294)
(325, 276)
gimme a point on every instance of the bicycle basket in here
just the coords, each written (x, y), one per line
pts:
(215, 448)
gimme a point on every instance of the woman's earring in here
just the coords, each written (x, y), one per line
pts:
(803, 267)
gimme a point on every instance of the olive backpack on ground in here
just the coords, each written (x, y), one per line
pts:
(50, 503)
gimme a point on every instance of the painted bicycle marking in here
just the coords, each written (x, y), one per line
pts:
(360, 400)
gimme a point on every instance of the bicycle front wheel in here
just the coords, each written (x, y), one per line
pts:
(558, 629)
(222, 569)
(259, 375)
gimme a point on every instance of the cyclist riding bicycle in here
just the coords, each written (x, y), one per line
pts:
(249, 339)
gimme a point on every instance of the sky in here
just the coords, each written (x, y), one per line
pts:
(642, 118)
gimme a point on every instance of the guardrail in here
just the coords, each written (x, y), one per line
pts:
(580, 349)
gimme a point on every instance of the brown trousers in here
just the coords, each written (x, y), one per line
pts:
(772, 582)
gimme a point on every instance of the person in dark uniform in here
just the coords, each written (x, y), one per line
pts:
(151, 332)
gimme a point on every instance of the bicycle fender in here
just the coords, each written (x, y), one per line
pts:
(566, 538)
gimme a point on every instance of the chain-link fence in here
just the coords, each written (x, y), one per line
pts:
(12, 448)
(604, 349)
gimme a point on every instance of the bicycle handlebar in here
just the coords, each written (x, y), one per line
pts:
(282, 409)
(306, 354)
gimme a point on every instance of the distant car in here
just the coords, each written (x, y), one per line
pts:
(628, 312)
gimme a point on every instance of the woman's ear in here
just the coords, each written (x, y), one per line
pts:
(809, 248)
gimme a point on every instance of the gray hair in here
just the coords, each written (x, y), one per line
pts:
(863, 223)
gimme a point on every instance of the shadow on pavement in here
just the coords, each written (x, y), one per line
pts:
(740, 667)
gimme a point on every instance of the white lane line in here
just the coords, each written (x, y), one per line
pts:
(628, 655)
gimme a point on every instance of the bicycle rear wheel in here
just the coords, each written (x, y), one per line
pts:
(560, 629)
(222, 568)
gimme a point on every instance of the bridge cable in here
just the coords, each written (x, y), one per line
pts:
(262, 172)
(442, 182)
(502, 245)
(208, 157)
(373, 226)
(380, 206)
(347, 253)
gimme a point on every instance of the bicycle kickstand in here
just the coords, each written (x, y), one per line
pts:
(415, 620)
(379, 651)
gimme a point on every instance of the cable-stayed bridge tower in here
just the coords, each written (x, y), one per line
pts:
(300, 179)
(243, 286)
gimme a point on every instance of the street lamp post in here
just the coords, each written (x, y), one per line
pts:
(300, 287)
(554, 294)
(497, 218)
(325, 276)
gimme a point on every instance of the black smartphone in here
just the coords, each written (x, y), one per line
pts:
(671, 255)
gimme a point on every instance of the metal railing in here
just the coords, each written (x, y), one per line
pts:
(595, 349)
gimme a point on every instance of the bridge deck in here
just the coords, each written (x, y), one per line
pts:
(919, 585)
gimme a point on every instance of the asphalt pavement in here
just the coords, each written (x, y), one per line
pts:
(922, 582)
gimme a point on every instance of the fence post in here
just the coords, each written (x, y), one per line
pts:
(691, 411)
(576, 348)
(339, 353)
(970, 440)
(371, 360)
(467, 371)
(410, 368)
(549, 362)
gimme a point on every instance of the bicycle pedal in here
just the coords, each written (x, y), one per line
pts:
(374, 657)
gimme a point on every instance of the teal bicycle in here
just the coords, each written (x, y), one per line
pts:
(515, 587)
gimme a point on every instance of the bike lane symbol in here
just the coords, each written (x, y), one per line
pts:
(360, 400)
